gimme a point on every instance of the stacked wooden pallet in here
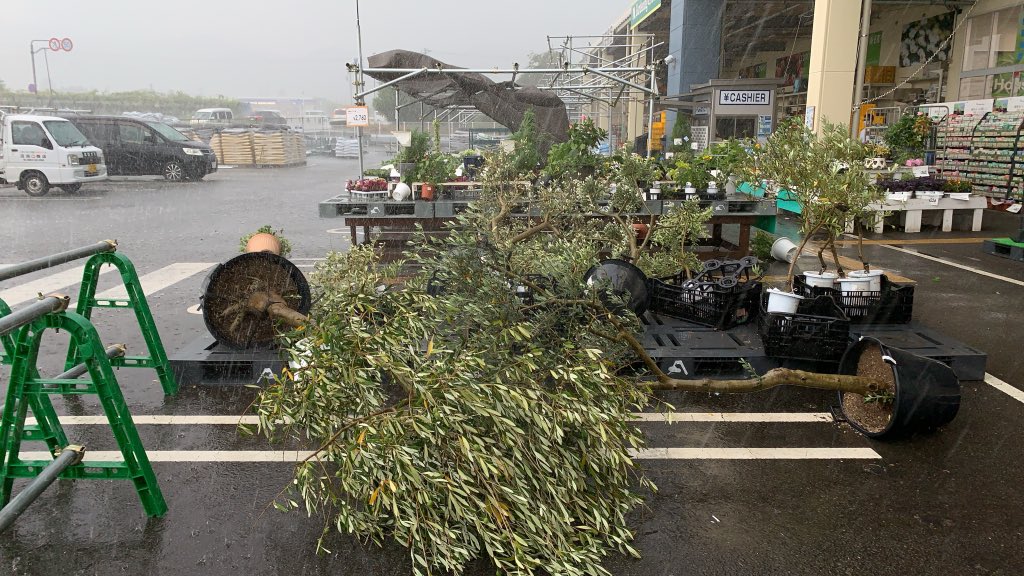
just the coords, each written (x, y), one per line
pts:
(233, 147)
(258, 148)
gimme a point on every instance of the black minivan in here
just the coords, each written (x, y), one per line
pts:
(134, 147)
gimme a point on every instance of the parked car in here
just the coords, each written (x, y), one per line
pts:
(39, 151)
(212, 116)
(268, 118)
(135, 147)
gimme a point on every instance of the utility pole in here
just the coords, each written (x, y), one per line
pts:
(359, 88)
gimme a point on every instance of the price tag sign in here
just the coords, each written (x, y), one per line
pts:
(357, 116)
(920, 171)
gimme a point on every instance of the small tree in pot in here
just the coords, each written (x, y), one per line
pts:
(825, 176)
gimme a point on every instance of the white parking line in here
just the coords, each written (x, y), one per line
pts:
(160, 420)
(159, 279)
(219, 420)
(187, 456)
(45, 285)
(734, 417)
(293, 456)
(1005, 388)
(756, 454)
(953, 264)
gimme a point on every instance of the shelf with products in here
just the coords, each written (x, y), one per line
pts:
(984, 150)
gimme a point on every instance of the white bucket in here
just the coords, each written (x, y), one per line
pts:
(783, 302)
(401, 192)
(854, 285)
(875, 276)
(784, 250)
(823, 280)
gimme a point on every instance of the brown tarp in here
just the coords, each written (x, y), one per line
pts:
(498, 100)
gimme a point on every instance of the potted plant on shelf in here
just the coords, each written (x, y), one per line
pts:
(635, 173)
(876, 156)
(691, 174)
(437, 169)
(727, 158)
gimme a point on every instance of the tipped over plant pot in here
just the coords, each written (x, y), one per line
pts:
(924, 394)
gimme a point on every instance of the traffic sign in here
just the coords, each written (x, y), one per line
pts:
(66, 44)
(357, 116)
(32, 88)
(55, 44)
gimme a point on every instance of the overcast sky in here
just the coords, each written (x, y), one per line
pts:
(258, 48)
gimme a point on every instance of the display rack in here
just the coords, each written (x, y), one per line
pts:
(985, 151)
(995, 145)
(953, 145)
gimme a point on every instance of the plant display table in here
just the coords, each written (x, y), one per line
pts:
(403, 217)
(912, 212)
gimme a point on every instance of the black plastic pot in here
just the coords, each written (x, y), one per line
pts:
(275, 271)
(927, 391)
(623, 280)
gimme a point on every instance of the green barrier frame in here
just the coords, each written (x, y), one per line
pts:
(28, 392)
(87, 302)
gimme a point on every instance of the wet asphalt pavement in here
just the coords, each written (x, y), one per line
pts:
(947, 503)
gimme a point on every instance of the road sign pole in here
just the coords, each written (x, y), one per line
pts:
(49, 82)
(32, 51)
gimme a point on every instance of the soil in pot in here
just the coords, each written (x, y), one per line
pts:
(872, 416)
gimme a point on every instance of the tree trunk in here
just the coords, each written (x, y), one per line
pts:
(799, 250)
(777, 377)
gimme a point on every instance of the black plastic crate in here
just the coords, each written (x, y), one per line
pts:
(893, 304)
(819, 331)
(715, 307)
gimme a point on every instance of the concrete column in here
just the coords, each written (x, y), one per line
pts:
(830, 79)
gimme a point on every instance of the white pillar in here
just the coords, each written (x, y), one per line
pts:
(830, 80)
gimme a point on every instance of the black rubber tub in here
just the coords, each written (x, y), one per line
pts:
(623, 280)
(927, 391)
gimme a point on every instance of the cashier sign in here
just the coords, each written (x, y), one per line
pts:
(744, 97)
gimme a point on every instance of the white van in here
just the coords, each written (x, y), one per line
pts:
(37, 152)
(212, 117)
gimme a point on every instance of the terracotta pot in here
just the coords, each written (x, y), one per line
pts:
(263, 242)
(641, 230)
(427, 192)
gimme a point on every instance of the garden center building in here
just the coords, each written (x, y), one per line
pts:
(745, 64)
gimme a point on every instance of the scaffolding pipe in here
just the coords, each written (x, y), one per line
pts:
(612, 77)
(650, 112)
(112, 351)
(499, 70)
(68, 457)
(360, 85)
(862, 58)
(57, 259)
(38, 309)
(391, 82)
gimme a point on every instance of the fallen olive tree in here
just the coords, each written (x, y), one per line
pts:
(482, 405)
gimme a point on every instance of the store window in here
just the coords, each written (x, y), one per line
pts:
(735, 127)
(993, 63)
